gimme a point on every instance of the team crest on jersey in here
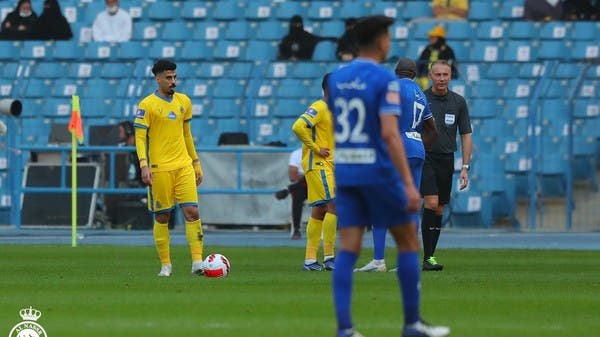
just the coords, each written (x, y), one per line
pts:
(140, 113)
(311, 112)
(181, 109)
(172, 115)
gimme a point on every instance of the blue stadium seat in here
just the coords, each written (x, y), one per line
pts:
(228, 125)
(271, 30)
(83, 70)
(519, 51)
(287, 9)
(554, 114)
(145, 31)
(588, 90)
(331, 29)
(322, 10)
(461, 87)
(556, 89)
(37, 88)
(500, 187)
(229, 88)
(66, 88)
(208, 30)
(585, 50)
(482, 11)
(417, 9)
(91, 10)
(531, 70)
(472, 72)
(584, 160)
(225, 108)
(470, 209)
(100, 88)
(260, 51)
(397, 50)
(551, 176)
(289, 107)
(485, 51)
(419, 29)
(484, 108)
(261, 108)
(414, 48)
(518, 88)
(586, 108)
(291, 88)
(11, 69)
(100, 51)
(176, 31)
(459, 30)
(567, 70)
(163, 10)
(211, 70)
(49, 70)
(228, 10)
(501, 70)
(199, 88)
(40, 129)
(9, 50)
(585, 30)
(308, 70)
(512, 10)
(6, 87)
(553, 50)
(554, 31)
(38, 50)
(159, 49)
(400, 31)
(388, 8)
(278, 69)
(195, 10)
(325, 51)
(518, 165)
(228, 50)
(491, 30)
(196, 50)
(240, 70)
(259, 10)
(131, 51)
(238, 31)
(204, 131)
(523, 30)
(82, 32)
(352, 9)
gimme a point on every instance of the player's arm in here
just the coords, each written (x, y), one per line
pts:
(430, 133)
(191, 150)
(303, 130)
(393, 140)
(141, 148)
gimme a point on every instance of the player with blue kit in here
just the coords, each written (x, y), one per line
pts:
(415, 118)
(373, 178)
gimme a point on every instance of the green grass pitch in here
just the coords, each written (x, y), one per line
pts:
(113, 291)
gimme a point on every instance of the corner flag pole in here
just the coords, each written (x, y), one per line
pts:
(76, 129)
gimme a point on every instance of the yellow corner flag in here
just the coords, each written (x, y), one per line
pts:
(75, 125)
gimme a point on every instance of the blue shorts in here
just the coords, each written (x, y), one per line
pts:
(377, 205)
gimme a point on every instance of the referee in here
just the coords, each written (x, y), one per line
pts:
(450, 112)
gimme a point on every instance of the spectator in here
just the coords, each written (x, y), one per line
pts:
(581, 10)
(347, 48)
(450, 9)
(542, 10)
(112, 25)
(52, 25)
(298, 44)
(19, 24)
(297, 189)
(437, 49)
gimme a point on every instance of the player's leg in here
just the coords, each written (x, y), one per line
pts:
(444, 183)
(378, 262)
(161, 202)
(187, 197)
(352, 215)
(298, 197)
(329, 220)
(429, 190)
(314, 228)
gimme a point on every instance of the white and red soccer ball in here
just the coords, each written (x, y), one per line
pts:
(216, 265)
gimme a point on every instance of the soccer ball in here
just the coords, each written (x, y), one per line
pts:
(216, 265)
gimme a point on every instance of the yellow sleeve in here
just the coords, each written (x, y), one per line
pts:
(189, 140)
(303, 131)
(141, 125)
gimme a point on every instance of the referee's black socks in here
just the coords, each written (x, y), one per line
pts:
(428, 232)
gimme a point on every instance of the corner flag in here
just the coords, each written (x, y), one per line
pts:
(75, 125)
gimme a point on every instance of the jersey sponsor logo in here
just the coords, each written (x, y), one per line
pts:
(140, 113)
(393, 93)
(172, 115)
(311, 112)
(356, 84)
(355, 156)
(413, 135)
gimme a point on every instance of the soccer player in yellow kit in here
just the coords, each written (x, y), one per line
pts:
(315, 129)
(169, 163)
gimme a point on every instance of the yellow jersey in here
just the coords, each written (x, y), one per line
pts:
(168, 144)
(315, 129)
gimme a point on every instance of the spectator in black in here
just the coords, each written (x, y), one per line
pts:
(437, 49)
(52, 25)
(20, 24)
(581, 10)
(543, 10)
(347, 48)
(298, 44)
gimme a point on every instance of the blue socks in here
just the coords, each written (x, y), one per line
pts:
(409, 276)
(379, 242)
(342, 287)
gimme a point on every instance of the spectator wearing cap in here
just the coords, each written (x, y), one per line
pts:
(450, 9)
(347, 47)
(437, 49)
(298, 44)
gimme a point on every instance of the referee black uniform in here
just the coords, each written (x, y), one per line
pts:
(451, 116)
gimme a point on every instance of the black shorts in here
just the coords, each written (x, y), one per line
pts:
(437, 176)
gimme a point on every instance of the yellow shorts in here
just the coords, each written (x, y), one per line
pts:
(321, 187)
(170, 186)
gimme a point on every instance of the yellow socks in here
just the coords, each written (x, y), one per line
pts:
(313, 239)
(162, 241)
(329, 231)
(193, 233)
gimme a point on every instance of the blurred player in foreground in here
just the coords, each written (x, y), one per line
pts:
(374, 182)
(416, 117)
(169, 163)
(315, 129)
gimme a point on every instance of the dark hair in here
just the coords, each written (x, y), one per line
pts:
(406, 68)
(163, 65)
(324, 82)
(368, 29)
(127, 127)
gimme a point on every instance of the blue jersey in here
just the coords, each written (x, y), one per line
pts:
(359, 93)
(415, 110)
